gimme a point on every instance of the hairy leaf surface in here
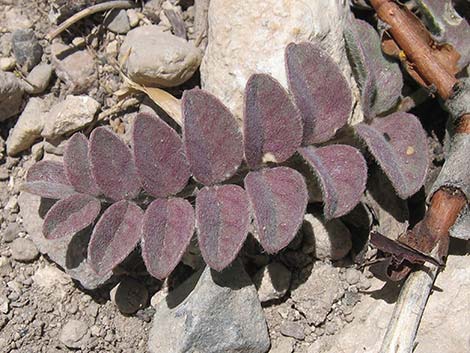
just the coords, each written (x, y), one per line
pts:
(278, 198)
(77, 165)
(159, 156)
(71, 215)
(112, 165)
(212, 138)
(223, 217)
(272, 122)
(47, 179)
(320, 90)
(342, 173)
(398, 143)
(166, 232)
(115, 236)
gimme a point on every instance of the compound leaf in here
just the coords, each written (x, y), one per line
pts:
(342, 173)
(159, 156)
(278, 198)
(211, 136)
(272, 122)
(398, 143)
(47, 179)
(77, 165)
(115, 235)
(71, 215)
(166, 232)
(223, 218)
(320, 91)
(112, 165)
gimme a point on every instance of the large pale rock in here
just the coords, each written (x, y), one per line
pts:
(69, 252)
(11, 95)
(155, 58)
(221, 314)
(72, 114)
(28, 128)
(246, 37)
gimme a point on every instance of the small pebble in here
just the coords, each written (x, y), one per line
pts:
(74, 334)
(26, 48)
(24, 250)
(292, 329)
(7, 64)
(352, 276)
(11, 232)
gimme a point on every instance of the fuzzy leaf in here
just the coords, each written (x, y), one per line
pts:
(278, 198)
(166, 232)
(398, 143)
(112, 165)
(159, 156)
(211, 136)
(115, 236)
(223, 217)
(372, 69)
(320, 90)
(77, 165)
(342, 173)
(47, 179)
(71, 215)
(272, 122)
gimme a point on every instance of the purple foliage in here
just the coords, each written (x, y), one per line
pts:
(223, 217)
(398, 143)
(212, 138)
(342, 173)
(71, 215)
(116, 234)
(320, 90)
(272, 123)
(166, 232)
(77, 165)
(112, 165)
(278, 198)
(159, 156)
(47, 179)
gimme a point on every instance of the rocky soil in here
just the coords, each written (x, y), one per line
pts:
(314, 296)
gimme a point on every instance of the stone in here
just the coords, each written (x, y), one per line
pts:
(69, 252)
(352, 276)
(15, 19)
(211, 312)
(118, 22)
(77, 68)
(133, 17)
(129, 295)
(157, 58)
(51, 278)
(28, 128)
(326, 240)
(11, 232)
(7, 64)
(26, 48)
(152, 9)
(5, 267)
(316, 296)
(11, 95)
(238, 47)
(283, 345)
(74, 334)
(24, 250)
(272, 281)
(292, 329)
(38, 79)
(70, 115)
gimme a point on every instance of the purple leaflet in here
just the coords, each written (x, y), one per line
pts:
(342, 173)
(77, 165)
(278, 198)
(272, 122)
(47, 179)
(112, 165)
(223, 218)
(320, 90)
(69, 216)
(211, 136)
(115, 236)
(159, 156)
(398, 143)
(166, 232)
